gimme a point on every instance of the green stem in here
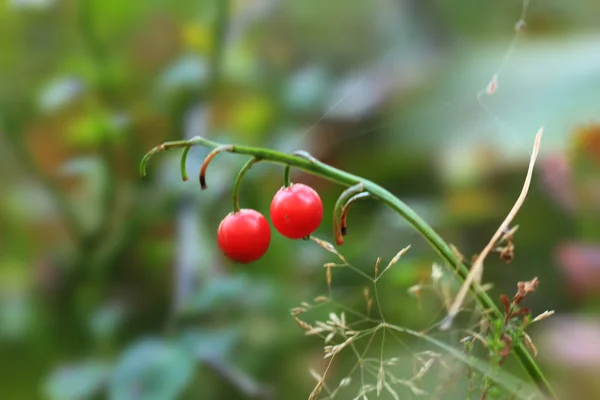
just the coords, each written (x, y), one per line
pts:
(99, 58)
(220, 30)
(286, 176)
(183, 164)
(238, 181)
(335, 175)
(86, 26)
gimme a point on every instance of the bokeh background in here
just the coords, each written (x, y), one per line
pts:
(112, 286)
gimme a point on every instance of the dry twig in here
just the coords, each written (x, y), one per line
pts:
(477, 268)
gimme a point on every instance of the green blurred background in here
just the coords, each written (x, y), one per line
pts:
(112, 286)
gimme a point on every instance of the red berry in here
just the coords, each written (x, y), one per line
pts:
(244, 236)
(296, 211)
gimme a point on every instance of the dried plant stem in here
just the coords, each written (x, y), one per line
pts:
(477, 267)
(208, 160)
(315, 167)
(339, 228)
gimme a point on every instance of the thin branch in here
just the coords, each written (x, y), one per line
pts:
(221, 29)
(97, 54)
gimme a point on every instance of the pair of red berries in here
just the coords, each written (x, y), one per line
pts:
(296, 212)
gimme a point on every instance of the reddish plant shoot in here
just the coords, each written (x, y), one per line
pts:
(207, 161)
(344, 201)
(492, 85)
(296, 211)
(344, 215)
(244, 236)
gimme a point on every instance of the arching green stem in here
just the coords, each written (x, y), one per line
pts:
(238, 181)
(309, 164)
(346, 209)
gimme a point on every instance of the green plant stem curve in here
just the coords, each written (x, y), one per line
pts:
(315, 167)
(286, 176)
(238, 181)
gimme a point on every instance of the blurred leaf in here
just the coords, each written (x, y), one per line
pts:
(31, 4)
(15, 315)
(29, 203)
(198, 37)
(226, 291)
(105, 321)
(87, 131)
(189, 70)
(114, 19)
(358, 94)
(240, 65)
(525, 98)
(406, 274)
(96, 126)
(251, 116)
(151, 369)
(60, 93)
(77, 381)
(210, 343)
(81, 166)
(471, 204)
(312, 21)
(92, 174)
(218, 292)
(308, 89)
(120, 121)
(15, 277)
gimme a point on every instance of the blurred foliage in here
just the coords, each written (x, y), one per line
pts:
(112, 286)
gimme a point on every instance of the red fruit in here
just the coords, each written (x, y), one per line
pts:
(296, 211)
(244, 236)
